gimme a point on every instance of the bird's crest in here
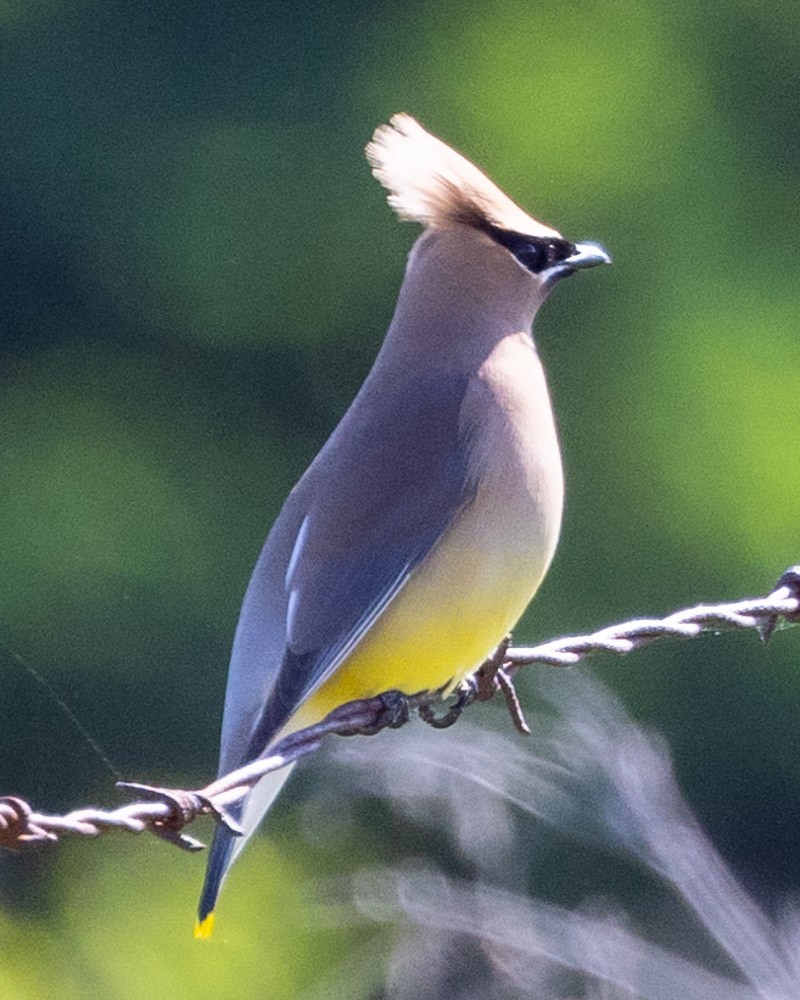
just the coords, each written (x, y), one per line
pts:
(431, 183)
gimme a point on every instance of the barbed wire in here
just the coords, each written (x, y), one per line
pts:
(167, 811)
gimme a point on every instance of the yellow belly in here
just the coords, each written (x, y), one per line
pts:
(444, 623)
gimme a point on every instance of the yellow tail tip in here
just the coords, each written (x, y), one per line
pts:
(204, 928)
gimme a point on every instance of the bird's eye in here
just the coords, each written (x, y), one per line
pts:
(534, 253)
(532, 256)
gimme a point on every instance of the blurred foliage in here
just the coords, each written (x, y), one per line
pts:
(195, 273)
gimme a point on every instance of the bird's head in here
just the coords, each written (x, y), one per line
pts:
(430, 183)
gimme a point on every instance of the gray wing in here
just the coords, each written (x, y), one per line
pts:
(373, 503)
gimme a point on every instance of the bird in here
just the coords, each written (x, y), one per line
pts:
(420, 532)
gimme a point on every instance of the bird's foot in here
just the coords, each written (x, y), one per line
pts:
(466, 693)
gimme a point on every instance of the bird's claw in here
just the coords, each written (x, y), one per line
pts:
(466, 693)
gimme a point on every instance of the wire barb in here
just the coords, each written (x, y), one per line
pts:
(183, 807)
(17, 826)
(393, 714)
(788, 584)
(167, 811)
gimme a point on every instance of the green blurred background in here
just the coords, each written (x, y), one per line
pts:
(196, 271)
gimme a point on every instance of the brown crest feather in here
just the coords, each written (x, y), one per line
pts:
(431, 183)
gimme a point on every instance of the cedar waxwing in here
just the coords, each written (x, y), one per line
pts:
(420, 532)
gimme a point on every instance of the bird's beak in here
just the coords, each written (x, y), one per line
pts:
(587, 255)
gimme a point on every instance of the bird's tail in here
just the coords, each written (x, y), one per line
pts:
(226, 845)
(219, 860)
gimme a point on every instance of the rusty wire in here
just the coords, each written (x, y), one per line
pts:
(165, 812)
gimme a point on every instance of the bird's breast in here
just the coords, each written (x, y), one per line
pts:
(478, 578)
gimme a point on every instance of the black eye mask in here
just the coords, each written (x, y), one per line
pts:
(535, 253)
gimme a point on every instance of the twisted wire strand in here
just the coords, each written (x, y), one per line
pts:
(166, 812)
